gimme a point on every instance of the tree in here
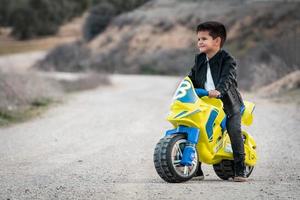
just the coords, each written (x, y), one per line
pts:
(32, 18)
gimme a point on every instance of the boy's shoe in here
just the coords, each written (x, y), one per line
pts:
(240, 175)
(240, 179)
(240, 172)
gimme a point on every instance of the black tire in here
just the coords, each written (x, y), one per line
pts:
(163, 159)
(225, 169)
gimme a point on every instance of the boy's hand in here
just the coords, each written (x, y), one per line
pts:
(213, 93)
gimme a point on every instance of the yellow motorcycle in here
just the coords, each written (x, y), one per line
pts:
(199, 135)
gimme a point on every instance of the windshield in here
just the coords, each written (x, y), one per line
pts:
(185, 92)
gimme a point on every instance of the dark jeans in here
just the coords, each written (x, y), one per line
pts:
(233, 125)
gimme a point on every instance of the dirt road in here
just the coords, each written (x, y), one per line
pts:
(99, 145)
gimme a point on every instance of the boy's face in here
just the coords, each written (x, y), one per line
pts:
(206, 43)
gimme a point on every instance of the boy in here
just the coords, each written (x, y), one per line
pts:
(215, 71)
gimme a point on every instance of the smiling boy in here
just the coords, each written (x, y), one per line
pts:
(215, 71)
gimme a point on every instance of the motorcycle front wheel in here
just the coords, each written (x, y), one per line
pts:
(167, 157)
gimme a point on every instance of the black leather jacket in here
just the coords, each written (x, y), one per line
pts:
(223, 71)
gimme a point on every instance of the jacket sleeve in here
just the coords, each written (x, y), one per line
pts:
(228, 75)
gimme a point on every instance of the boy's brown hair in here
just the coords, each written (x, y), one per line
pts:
(215, 29)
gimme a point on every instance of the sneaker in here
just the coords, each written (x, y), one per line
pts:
(240, 179)
(240, 176)
(240, 172)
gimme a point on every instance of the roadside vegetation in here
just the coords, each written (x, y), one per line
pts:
(35, 18)
(25, 95)
(28, 94)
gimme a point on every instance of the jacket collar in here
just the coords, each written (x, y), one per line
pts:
(216, 57)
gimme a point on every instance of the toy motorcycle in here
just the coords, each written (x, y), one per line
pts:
(200, 135)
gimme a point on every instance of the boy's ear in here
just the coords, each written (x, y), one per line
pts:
(218, 41)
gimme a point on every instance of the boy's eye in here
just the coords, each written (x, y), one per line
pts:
(202, 39)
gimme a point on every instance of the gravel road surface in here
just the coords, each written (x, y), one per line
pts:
(99, 145)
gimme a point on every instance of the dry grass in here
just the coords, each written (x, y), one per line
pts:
(18, 90)
(284, 90)
(24, 95)
(23, 114)
(10, 46)
(28, 94)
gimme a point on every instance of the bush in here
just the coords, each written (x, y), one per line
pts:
(66, 58)
(103, 11)
(18, 90)
(98, 19)
(35, 19)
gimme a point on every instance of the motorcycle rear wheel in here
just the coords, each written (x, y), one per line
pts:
(225, 169)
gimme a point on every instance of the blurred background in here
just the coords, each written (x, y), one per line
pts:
(51, 47)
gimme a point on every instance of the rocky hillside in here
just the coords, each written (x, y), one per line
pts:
(159, 38)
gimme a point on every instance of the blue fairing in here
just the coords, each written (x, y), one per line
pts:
(223, 123)
(210, 124)
(192, 133)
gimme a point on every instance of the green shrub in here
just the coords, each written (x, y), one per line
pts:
(35, 19)
(98, 19)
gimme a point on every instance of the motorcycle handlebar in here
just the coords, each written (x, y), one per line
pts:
(202, 92)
